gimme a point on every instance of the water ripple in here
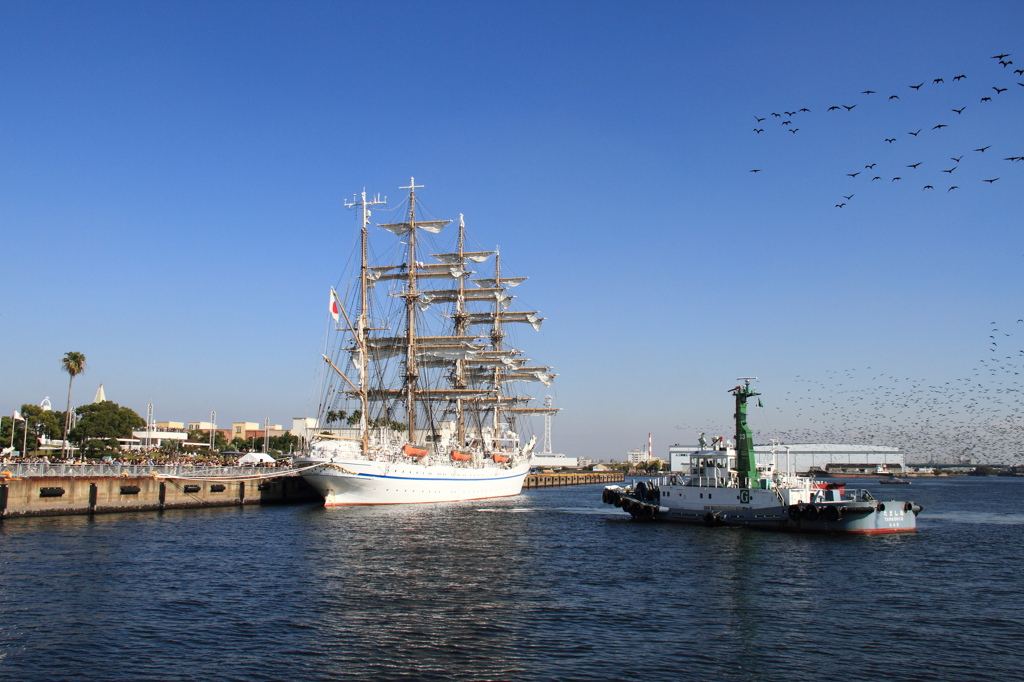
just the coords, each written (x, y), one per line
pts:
(548, 585)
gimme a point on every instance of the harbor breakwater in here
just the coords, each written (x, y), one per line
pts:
(67, 490)
(582, 478)
(72, 495)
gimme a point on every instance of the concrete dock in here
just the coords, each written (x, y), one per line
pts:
(65, 490)
(580, 478)
(72, 495)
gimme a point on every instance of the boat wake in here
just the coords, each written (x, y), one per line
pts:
(979, 518)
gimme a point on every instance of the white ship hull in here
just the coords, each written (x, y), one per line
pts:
(363, 482)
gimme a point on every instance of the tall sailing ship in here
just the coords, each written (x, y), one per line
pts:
(422, 374)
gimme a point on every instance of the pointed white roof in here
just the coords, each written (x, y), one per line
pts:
(100, 395)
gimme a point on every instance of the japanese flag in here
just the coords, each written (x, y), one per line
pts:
(18, 417)
(334, 304)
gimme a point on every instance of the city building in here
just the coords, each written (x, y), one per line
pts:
(802, 458)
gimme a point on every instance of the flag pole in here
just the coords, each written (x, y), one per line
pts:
(24, 436)
(13, 422)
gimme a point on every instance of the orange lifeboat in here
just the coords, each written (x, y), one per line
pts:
(460, 456)
(500, 459)
(414, 452)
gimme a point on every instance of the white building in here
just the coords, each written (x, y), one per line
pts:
(803, 457)
(637, 455)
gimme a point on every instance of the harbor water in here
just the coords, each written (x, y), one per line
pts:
(552, 584)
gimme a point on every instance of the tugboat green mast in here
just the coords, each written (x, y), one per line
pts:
(746, 464)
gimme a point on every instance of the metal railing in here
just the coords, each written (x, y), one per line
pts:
(182, 470)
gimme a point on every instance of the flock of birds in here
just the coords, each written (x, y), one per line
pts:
(930, 174)
(977, 418)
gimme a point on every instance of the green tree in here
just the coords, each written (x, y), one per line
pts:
(106, 421)
(282, 444)
(220, 443)
(43, 422)
(73, 363)
(335, 416)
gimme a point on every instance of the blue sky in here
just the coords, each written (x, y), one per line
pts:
(171, 199)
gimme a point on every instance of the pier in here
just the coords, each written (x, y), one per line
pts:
(585, 478)
(65, 490)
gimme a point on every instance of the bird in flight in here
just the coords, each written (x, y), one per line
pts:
(793, 130)
(848, 197)
(841, 205)
(950, 170)
(890, 140)
(806, 110)
(960, 110)
(941, 125)
(774, 114)
(891, 97)
(956, 78)
(896, 178)
(848, 108)
(938, 80)
(998, 90)
(868, 92)
(877, 177)
(915, 134)
(759, 119)
(914, 165)
(986, 99)
(833, 108)
(786, 123)
(755, 170)
(1001, 56)
(983, 148)
(758, 130)
(853, 175)
(956, 158)
(927, 187)
(871, 166)
(952, 188)
(918, 86)
(990, 181)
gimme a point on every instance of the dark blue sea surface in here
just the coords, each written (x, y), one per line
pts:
(549, 585)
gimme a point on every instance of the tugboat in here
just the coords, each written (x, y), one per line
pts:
(727, 488)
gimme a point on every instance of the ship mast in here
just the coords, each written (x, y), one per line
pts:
(746, 464)
(497, 335)
(411, 293)
(361, 322)
(461, 326)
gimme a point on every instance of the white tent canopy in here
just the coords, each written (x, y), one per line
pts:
(255, 458)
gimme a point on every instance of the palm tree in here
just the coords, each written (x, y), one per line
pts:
(74, 364)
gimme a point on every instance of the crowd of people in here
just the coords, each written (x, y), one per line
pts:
(136, 458)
